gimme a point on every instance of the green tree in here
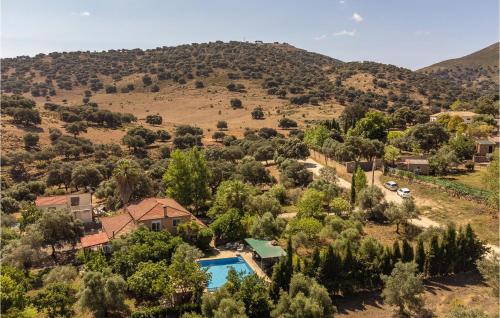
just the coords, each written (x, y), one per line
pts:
(103, 294)
(373, 126)
(187, 178)
(407, 252)
(490, 269)
(391, 154)
(228, 226)
(360, 180)
(150, 282)
(314, 137)
(339, 205)
(311, 204)
(420, 256)
(403, 288)
(443, 158)
(490, 179)
(58, 228)
(76, 128)
(282, 273)
(56, 299)
(85, 176)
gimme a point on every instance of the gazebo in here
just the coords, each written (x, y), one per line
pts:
(265, 250)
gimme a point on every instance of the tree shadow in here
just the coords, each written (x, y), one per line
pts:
(358, 302)
(433, 285)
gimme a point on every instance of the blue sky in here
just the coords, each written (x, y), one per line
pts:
(408, 33)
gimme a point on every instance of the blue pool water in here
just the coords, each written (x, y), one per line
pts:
(219, 268)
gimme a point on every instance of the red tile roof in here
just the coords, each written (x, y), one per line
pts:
(117, 225)
(48, 201)
(154, 208)
(94, 239)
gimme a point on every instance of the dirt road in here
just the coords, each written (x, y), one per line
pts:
(390, 196)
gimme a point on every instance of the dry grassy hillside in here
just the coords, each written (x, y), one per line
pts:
(478, 70)
(188, 84)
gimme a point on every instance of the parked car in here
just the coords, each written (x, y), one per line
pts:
(404, 192)
(391, 185)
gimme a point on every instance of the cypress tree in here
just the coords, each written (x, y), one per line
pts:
(353, 188)
(348, 265)
(407, 254)
(282, 273)
(312, 265)
(433, 258)
(328, 271)
(461, 251)
(449, 250)
(474, 249)
(396, 252)
(387, 264)
(420, 255)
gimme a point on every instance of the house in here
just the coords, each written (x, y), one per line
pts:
(154, 213)
(465, 115)
(418, 166)
(79, 204)
(484, 147)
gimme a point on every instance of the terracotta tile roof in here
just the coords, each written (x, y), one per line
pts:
(117, 225)
(154, 208)
(94, 239)
(54, 200)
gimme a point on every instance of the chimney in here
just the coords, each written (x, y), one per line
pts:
(165, 211)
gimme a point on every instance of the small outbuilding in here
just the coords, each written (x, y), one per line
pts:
(418, 166)
(484, 147)
(267, 252)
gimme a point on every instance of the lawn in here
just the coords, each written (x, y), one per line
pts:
(439, 206)
(472, 179)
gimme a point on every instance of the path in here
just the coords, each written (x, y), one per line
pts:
(391, 196)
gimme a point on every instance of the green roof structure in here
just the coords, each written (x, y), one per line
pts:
(265, 249)
(485, 142)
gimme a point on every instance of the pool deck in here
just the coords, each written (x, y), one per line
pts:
(246, 255)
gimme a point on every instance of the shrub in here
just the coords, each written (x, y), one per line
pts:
(236, 103)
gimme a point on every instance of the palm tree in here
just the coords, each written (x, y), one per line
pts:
(126, 174)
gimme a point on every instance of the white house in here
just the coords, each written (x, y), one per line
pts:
(79, 204)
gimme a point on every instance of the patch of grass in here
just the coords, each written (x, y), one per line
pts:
(439, 206)
(472, 179)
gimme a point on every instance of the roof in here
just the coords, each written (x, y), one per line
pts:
(485, 142)
(117, 225)
(154, 208)
(94, 239)
(456, 113)
(48, 201)
(417, 161)
(265, 249)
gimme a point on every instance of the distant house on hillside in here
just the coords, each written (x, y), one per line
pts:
(79, 204)
(154, 213)
(484, 147)
(465, 115)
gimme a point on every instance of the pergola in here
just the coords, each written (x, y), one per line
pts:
(265, 249)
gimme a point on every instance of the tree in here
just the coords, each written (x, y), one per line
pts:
(163, 135)
(9, 205)
(221, 125)
(149, 282)
(252, 171)
(373, 126)
(61, 274)
(360, 180)
(311, 204)
(126, 175)
(293, 148)
(148, 135)
(407, 252)
(463, 147)
(56, 299)
(76, 128)
(85, 176)
(400, 213)
(228, 227)
(27, 117)
(282, 273)
(187, 177)
(370, 200)
(487, 104)
(230, 194)
(443, 158)
(428, 136)
(218, 136)
(258, 113)
(30, 214)
(198, 84)
(489, 269)
(294, 173)
(315, 137)
(264, 153)
(420, 256)
(403, 288)
(59, 227)
(306, 298)
(339, 205)
(236, 103)
(287, 123)
(30, 141)
(103, 294)
(391, 154)
(154, 119)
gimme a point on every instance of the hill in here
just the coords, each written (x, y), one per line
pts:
(478, 70)
(195, 84)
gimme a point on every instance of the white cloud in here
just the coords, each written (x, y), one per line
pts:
(357, 17)
(345, 33)
(342, 2)
(321, 37)
(85, 14)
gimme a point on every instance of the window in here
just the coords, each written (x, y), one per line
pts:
(156, 226)
(176, 222)
(75, 201)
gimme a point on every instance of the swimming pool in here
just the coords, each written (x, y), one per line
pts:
(219, 268)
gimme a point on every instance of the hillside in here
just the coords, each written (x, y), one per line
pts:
(195, 83)
(478, 70)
